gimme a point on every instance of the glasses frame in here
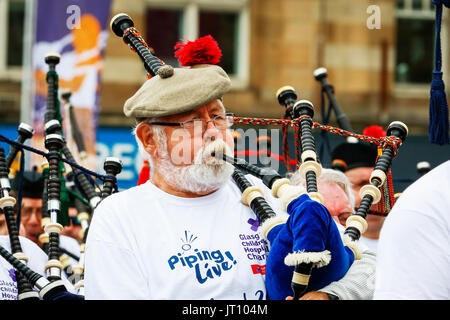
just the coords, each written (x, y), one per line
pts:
(182, 124)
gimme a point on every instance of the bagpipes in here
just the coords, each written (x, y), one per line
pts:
(300, 251)
(50, 289)
(309, 237)
(112, 166)
(55, 199)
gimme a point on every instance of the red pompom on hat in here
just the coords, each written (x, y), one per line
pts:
(188, 88)
(204, 50)
(374, 131)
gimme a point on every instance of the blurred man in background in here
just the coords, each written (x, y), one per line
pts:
(357, 160)
(31, 210)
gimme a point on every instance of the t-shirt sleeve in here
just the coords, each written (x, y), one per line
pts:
(111, 272)
(413, 257)
(111, 267)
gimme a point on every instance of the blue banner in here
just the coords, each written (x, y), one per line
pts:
(111, 142)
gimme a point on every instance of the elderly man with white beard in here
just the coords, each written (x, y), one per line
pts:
(184, 234)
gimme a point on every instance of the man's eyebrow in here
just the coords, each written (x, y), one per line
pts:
(218, 108)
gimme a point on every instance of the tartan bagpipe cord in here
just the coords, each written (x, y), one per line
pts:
(387, 190)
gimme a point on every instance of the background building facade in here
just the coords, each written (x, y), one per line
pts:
(379, 56)
(380, 66)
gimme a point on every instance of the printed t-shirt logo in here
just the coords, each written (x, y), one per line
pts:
(255, 247)
(254, 223)
(12, 275)
(206, 264)
(8, 289)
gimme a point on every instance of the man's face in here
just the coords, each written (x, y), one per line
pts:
(359, 177)
(184, 144)
(335, 200)
(31, 216)
(181, 156)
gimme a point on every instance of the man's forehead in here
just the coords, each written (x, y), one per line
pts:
(359, 173)
(334, 189)
(32, 201)
(327, 184)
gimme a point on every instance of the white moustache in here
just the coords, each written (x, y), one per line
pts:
(217, 147)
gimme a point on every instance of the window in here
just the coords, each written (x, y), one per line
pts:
(16, 12)
(169, 21)
(415, 41)
(163, 31)
(222, 26)
(12, 13)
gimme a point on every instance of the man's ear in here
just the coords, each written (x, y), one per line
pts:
(145, 134)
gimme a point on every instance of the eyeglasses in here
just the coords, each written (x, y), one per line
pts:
(28, 211)
(221, 122)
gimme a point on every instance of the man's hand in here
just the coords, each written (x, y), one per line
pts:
(312, 295)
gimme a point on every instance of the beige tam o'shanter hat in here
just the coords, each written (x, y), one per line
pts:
(199, 82)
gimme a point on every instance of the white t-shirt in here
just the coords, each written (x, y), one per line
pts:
(36, 262)
(144, 243)
(413, 251)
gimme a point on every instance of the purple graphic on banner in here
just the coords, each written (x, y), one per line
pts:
(78, 32)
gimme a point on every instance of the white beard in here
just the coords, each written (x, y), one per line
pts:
(206, 174)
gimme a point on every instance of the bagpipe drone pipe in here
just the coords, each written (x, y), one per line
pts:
(58, 187)
(320, 74)
(301, 247)
(370, 194)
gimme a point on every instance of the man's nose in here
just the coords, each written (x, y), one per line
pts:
(211, 132)
(34, 219)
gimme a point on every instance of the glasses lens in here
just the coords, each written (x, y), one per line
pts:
(230, 119)
(221, 122)
(189, 124)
